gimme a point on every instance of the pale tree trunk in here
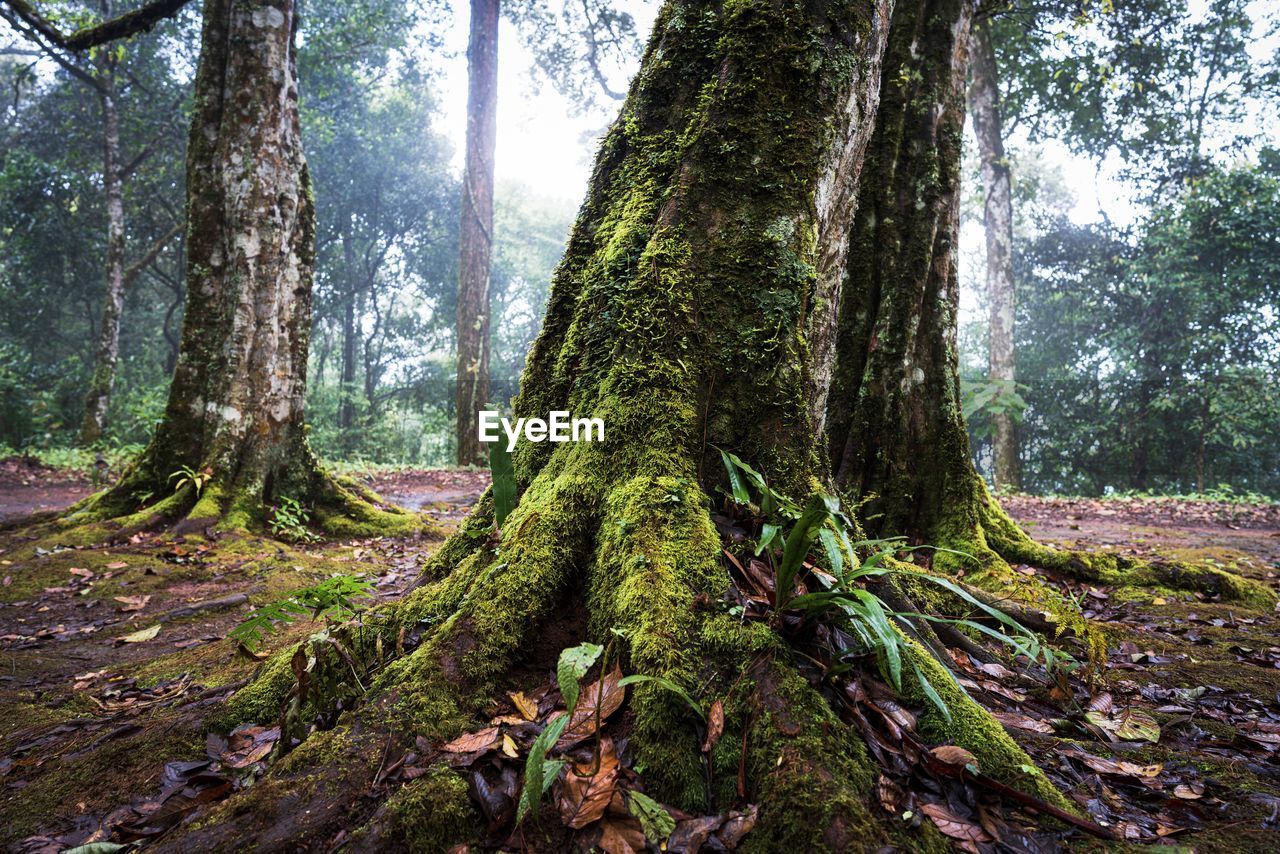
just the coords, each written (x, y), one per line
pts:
(107, 351)
(346, 406)
(235, 408)
(984, 96)
(475, 234)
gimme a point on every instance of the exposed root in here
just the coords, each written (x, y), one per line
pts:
(648, 556)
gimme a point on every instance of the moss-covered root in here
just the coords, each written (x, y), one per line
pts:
(807, 769)
(1011, 543)
(970, 726)
(430, 815)
(301, 804)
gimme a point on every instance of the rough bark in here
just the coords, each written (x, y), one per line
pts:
(107, 350)
(894, 424)
(895, 432)
(475, 235)
(984, 97)
(235, 407)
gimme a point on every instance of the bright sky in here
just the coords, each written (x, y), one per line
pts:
(542, 142)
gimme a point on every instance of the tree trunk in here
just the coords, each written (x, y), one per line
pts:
(683, 314)
(346, 406)
(108, 346)
(894, 425)
(984, 96)
(475, 234)
(235, 408)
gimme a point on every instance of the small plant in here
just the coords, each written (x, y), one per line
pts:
(333, 599)
(187, 476)
(504, 482)
(289, 520)
(846, 602)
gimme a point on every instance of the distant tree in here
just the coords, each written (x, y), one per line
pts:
(573, 49)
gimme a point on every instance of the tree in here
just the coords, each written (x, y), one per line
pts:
(604, 33)
(233, 438)
(988, 125)
(101, 73)
(475, 235)
(711, 284)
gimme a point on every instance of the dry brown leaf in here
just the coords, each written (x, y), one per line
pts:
(472, 742)
(953, 755)
(119, 564)
(621, 836)
(583, 796)
(607, 693)
(715, 726)
(1020, 721)
(955, 827)
(132, 603)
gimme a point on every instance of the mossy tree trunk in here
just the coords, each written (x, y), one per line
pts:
(235, 407)
(896, 435)
(475, 233)
(704, 264)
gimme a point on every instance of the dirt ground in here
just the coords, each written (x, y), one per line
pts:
(114, 658)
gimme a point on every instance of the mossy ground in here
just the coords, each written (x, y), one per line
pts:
(71, 776)
(59, 624)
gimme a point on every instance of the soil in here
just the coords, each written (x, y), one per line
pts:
(102, 717)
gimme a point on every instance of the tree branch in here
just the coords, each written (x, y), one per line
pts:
(119, 27)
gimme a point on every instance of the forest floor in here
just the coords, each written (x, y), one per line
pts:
(113, 659)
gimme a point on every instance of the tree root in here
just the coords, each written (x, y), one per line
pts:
(646, 553)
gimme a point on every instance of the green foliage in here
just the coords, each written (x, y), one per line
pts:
(187, 476)
(845, 600)
(334, 599)
(1149, 354)
(289, 520)
(504, 482)
(573, 665)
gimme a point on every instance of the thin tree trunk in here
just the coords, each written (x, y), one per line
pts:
(475, 235)
(984, 97)
(107, 351)
(346, 406)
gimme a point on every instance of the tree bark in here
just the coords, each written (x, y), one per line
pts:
(894, 424)
(984, 96)
(475, 235)
(235, 407)
(346, 406)
(108, 346)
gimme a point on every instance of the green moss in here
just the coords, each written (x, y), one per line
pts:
(974, 729)
(432, 814)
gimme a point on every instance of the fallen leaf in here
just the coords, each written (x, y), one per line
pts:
(621, 836)
(119, 564)
(715, 726)
(509, 746)
(952, 755)
(473, 742)
(132, 603)
(583, 796)
(955, 827)
(1020, 721)
(607, 694)
(141, 635)
(527, 708)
